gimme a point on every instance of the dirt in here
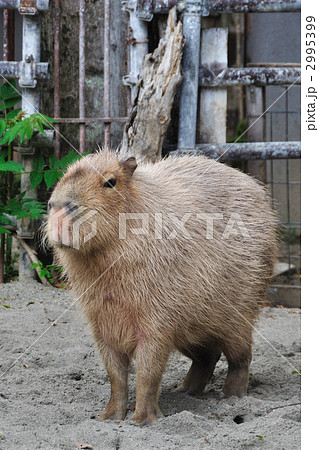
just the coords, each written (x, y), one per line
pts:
(50, 397)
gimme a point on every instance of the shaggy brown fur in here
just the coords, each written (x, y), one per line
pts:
(149, 294)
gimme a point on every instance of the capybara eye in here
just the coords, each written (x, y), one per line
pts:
(110, 183)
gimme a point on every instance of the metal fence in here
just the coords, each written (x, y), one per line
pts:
(202, 74)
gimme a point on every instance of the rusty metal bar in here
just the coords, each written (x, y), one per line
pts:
(247, 150)
(146, 8)
(40, 5)
(82, 73)
(107, 77)
(91, 119)
(57, 27)
(249, 76)
(8, 35)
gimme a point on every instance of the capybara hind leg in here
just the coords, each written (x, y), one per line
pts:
(238, 374)
(201, 370)
(150, 364)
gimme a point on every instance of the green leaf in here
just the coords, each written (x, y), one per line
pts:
(4, 230)
(35, 178)
(9, 95)
(13, 114)
(38, 125)
(3, 126)
(45, 118)
(12, 133)
(53, 161)
(11, 166)
(33, 266)
(38, 163)
(7, 306)
(50, 177)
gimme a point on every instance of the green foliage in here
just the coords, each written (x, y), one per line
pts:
(8, 96)
(15, 126)
(25, 127)
(240, 129)
(10, 270)
(287, 234)
(45, 271)
(57, 167)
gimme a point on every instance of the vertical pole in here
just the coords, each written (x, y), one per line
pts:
(255, 108)
(57, 14)
(138, 39)
(190, 65)
(107, 80)
(8, 55)
(31, 35)
(213, 101)
(8, 35)
(82, 73)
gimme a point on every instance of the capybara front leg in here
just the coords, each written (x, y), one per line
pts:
(117, 366)
(116, 407)
(150, 363)
(238, 374)
(201, 370)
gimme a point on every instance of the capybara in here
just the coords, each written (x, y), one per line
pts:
(172, 255)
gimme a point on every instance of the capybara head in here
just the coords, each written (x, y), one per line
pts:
(88, 199)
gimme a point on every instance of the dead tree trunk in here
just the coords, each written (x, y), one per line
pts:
(151, 112)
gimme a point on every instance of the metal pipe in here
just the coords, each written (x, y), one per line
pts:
(107, 78)
(247, 150)
(210, 77)
(57, 26)
(82, 73)
(190, 65)
(14, 69)
(146, 8)
(31, 38)
(40, 5)
(138, 40)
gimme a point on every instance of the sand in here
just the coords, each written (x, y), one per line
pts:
(50, 397)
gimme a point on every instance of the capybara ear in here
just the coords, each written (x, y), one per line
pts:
(129, 165)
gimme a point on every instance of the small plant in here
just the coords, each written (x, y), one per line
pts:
(14, 124)
(45, 271)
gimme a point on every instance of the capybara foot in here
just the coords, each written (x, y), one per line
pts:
(236, 383)
(147, 417)
(196, 390)
(111, 413)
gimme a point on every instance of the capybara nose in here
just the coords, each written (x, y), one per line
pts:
(68, 206)
(61, 220)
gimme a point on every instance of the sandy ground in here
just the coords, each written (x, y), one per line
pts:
(50, 398)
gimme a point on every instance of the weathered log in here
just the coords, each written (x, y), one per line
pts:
(151, 111)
